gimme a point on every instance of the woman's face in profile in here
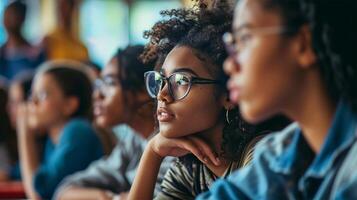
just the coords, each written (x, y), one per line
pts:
(199, 110)
(110, 105)
(49, 105)
(264, 73)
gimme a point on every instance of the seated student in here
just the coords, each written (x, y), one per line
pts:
(119, 99)
(7, 139)
(63, 42)
(298, 58)
(19, 91)
(193, 108)
(61, 108)
(17, 54)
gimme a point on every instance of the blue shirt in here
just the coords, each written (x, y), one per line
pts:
(78, 146)
(285, 167)
(24, 59)
(116, 172)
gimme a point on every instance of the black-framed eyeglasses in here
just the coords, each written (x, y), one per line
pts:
(236, 41)
(179, 83)
(106, 85)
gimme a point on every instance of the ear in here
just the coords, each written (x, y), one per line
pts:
(72, 104)
(137, 98)
(306, 56)
(227, 104)
(140, 96)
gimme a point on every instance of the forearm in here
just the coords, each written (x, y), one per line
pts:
(29, 162)
(77, 193)
(145, 179)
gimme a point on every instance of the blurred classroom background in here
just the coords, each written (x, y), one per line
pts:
(102, 25)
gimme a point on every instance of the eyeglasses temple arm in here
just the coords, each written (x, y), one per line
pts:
(204, 81)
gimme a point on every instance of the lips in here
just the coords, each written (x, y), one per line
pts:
(234, 91)
(98, 110)
(164, 115)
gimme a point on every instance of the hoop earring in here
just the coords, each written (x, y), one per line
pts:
(227, 117)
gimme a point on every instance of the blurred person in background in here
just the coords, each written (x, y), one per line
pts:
(19, 92)
(60, 107)
(63, 43)
(119, 99)
(17, 54)
(8, 151)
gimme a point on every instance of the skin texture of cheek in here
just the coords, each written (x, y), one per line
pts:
(113, 113)
(51, 112)
(43, 117)
(32, 117)
(192, 115)
(110, 107)
(269, 79)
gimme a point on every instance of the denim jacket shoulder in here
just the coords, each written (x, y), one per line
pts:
(345, 185)
(275, 147)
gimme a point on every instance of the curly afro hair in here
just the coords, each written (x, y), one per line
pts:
(201, 28)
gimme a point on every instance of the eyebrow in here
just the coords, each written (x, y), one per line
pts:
(183, 69)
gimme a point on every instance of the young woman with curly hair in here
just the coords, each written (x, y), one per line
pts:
(298, 58)
(195, 115)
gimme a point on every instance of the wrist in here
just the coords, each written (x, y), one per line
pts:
(152, 150)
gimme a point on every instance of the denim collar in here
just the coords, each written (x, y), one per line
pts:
(298, 154)
(341, 136)
(294, 155)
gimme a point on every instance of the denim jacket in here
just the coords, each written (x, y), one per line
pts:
(285, 167)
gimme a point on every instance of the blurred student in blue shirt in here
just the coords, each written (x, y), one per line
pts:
(60, 107)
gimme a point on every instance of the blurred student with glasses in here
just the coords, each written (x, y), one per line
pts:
(120, 101)
(60, 107)
(296, 58)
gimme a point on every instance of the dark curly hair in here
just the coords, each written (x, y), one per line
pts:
(131, 68)
(334, 40)
(201, 28)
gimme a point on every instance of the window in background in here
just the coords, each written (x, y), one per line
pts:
(103, 28)
(104, 25)
(32, 28)
(2, 29)
(145, 13)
